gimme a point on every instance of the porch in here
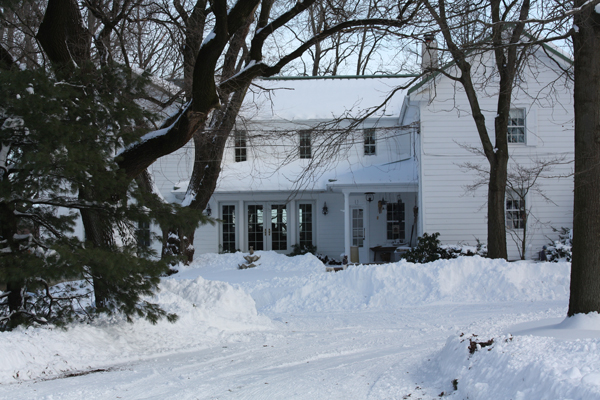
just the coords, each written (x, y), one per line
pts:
(379, 226)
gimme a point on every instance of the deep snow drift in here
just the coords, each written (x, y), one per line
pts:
(403, 314)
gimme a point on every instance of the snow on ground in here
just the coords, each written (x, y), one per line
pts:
(470, 328)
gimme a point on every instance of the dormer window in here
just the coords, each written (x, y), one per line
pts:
(305, 144)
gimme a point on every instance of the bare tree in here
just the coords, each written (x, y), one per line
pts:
(218, 68)
(523, 180)
(241, 64)
(500, 28)
(369, 49)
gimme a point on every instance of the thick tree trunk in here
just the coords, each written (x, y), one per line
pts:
(6, 60)
(194, 31)
(8, 228)
(209, 145)
(507, 61)
(585, 266)
(98, 232)
(188, 246)
(63, 36)
(496, 218)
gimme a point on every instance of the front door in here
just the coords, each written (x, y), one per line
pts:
(358, 236)
(267, 226)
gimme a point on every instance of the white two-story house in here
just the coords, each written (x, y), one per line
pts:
(301, 170)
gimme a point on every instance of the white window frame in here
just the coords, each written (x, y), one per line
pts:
(144, 234)
(304, 149)
(358, 233)
(400, 223)
(514, 129)
(370, 141)
(313, 221)
(515, 211)
(235, 225)
(240, 145)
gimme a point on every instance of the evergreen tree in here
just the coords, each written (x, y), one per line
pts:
(60, 145)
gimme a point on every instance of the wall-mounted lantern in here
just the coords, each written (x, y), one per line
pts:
(208, 210)
(325, 209)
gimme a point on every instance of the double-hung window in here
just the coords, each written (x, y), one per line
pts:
(515, 210)
(305, 144)
(240, 138)
(370, 142)
(516, 125)
(143, 234)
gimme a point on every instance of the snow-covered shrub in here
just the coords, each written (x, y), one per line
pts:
(298, 250)
(328, 261)
(429, 248)
(459, 250)
(560, 250)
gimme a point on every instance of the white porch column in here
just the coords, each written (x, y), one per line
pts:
(347, 225)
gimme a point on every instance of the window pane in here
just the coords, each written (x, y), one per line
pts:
(228, 239)
(515, 211)
(358, 231)
(255, 227)
(305, 225)
(240, 145)
(143, 234)
(279, 227)
(395, 221)
(516, 125)
(305, 144)
(369, 141)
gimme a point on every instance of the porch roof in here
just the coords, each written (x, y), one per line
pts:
(239, 178)
(260, 176)
(400, 175)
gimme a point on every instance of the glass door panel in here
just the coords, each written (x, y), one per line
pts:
(256, 227)
(358, 227)
(228, 239)
(279, 224)
(305, 225)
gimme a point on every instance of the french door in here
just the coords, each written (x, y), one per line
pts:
(267, 227)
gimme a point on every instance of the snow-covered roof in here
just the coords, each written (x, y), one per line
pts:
(238, 177)
(300, 99)
(403, 173)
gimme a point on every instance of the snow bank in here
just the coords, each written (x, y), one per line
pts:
(519, 367)
(218, 303)
(209, 312)
(464, 280)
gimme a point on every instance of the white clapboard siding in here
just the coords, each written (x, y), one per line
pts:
(447, 129)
